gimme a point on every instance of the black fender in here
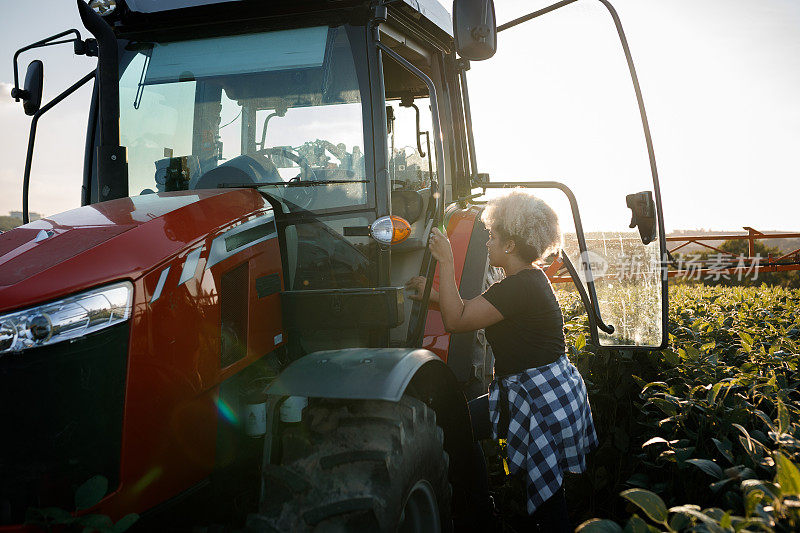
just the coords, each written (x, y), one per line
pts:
(387, 374)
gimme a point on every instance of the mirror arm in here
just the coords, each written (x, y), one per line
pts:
(81, 48)
(530, 16)
(32, 137)
(473, 161)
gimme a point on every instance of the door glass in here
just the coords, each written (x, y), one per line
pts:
(568, 113)
(411, 164)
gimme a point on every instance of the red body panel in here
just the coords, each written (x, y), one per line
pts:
(174, 368)
(155, 228)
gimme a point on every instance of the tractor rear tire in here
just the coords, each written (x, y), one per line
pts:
(359, 466)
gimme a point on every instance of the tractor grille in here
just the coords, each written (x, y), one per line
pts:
(61, 419)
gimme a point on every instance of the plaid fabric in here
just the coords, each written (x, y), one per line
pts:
(549, 425)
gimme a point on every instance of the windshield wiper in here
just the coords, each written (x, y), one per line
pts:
(286, 184)
(137, 101)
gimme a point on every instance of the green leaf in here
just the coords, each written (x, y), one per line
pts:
(125, 523)
(655, 440)
(639, 480)
(725, 521)
(712, 396)
(90, 493)
(683, 454)
(752, 499)
(773, 382)
(787, 476)
(694, 511)
(668, 408)
(709, 467)
(595, 525)
(679, 522)
(92, 522)
(764, 418)
(580, 342)
(725, 448)
(636, 525)
(744, 336)
(649, 502)
(719, 485)
(784, 421)
(770, 489)
(655, 385)
(747, 441)
(746, 341)
(707, 347)
(672, 358)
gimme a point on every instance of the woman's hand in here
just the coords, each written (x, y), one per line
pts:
(417, 283)
(440, 247)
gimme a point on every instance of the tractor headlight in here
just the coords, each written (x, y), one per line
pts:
(67, 318)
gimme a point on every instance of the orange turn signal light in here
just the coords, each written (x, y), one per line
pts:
(390, 230)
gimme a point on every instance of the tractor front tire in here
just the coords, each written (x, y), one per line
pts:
(359, 466)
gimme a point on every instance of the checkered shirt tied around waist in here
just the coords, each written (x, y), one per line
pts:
(550, 427)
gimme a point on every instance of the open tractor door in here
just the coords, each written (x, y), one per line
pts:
(220, 334)
(616, 249)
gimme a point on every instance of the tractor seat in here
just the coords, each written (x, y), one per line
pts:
(243, 169)
(407, 204)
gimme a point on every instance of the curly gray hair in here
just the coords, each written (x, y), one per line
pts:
(525, 219)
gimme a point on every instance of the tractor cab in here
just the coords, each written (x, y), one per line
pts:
(306, 109)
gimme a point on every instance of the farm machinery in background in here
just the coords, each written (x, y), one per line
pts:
(221, 331)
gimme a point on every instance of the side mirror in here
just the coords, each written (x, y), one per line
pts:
(643, 215)
(32, 93)
(475, 29)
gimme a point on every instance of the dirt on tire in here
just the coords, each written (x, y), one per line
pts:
(350, 465)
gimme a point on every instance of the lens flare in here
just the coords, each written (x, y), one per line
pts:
(147, 479)
(226, 412)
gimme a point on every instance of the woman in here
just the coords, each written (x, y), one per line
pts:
(538, 400)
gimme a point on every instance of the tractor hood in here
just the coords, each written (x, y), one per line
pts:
(120, 239)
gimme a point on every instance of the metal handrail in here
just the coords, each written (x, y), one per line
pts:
(576, 217)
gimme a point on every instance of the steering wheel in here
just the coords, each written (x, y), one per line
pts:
(303, 196)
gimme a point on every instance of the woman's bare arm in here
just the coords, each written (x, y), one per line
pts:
(458, 315)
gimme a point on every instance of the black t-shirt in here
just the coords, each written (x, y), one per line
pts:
(531, 333)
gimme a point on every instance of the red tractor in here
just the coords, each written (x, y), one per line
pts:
(221, 331)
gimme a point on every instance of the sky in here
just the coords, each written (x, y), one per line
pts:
(720, 82)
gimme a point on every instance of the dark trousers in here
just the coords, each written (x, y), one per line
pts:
(551, 516)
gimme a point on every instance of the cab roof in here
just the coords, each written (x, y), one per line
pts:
(430, 10)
